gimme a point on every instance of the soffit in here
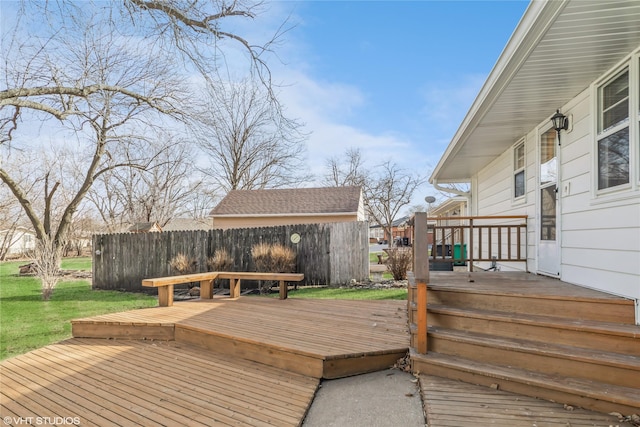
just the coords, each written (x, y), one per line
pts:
(551, 58)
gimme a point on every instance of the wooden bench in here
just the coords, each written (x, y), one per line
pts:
(165, 284)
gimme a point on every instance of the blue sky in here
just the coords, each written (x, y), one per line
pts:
(393, 78)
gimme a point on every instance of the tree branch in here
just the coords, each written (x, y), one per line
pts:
(13, 97)
(190, 22)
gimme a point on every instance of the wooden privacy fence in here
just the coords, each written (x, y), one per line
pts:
(327, 254)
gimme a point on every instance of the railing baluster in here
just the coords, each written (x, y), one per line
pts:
(471, 245)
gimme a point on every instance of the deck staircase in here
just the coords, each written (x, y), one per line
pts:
(580, 351)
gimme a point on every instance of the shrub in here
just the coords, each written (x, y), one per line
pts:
(261, 256)
(274, 258)
(220, 261)
(283, 259)
(399, 262)
(183, 264)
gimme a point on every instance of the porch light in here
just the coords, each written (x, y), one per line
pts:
(560, 122)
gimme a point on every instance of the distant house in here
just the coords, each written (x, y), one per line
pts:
(16, 241)
(579, 183)
(400, 229)
(260, 208)
(187, 224)
(145, 227)
(453, 206)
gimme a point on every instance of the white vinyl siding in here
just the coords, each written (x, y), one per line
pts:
(494, 194)
(600, 236)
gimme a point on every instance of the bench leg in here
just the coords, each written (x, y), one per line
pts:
(206, 289)
(165, 296)
(283, 289)
(234, 288)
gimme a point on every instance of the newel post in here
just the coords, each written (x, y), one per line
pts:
(421, 273)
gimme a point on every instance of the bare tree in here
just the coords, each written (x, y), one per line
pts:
(347, 171)
(160, 191)
(387, 192)
(250, 142)
(78, 69)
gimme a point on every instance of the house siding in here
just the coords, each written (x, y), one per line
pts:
(493, 197)
(265, 221)
(599, 236)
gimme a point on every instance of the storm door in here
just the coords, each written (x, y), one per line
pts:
(548, 230)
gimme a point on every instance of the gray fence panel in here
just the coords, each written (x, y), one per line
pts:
(327, 254)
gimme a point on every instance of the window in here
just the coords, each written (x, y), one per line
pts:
(518, 171)
(613, 132)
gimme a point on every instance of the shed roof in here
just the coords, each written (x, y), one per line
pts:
(290, 201)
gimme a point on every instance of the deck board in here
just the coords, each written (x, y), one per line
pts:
(107, 382)
(450, 403)
(300, 327)
(517, 283)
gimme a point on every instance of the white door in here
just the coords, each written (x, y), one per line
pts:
(548, 212)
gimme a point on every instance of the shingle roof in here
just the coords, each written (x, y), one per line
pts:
(187, 224)
(144, 226)
(325, 200)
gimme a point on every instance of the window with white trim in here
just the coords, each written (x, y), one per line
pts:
(518, 171)
(613, 131)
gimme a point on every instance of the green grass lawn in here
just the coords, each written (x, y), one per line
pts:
(27, 322)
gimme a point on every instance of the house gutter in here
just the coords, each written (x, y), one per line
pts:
(536, 20)
(437, 186)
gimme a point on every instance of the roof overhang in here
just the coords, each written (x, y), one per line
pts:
(557, 50)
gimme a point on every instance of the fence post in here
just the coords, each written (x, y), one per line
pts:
(421, 272)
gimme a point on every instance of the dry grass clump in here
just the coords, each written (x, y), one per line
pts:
(220, 261)
(183, 264)
(399, 262)
(261, 254)
(274, 258)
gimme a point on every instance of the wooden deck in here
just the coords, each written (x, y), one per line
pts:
(451, 403)
(258, 361)
(92, 382)
(542, 294)
(318, 338)
(251, 361)
(518, 283)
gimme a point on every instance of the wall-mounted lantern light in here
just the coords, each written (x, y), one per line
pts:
(560, 122)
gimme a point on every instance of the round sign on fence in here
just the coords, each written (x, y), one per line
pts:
(295, 238)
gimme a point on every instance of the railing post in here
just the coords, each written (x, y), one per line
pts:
(471, 244)
(421, 272)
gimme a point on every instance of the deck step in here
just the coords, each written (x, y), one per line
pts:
(615, 310)
(294, 357)
(614, 337)
(547, 358)
(578, 392)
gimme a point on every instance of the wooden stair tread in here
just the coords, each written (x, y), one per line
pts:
(583, 387)
(542, 348)
(468, 288)
(609, 328)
